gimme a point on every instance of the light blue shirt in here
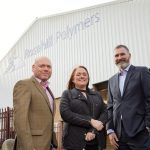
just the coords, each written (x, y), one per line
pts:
(122, 77)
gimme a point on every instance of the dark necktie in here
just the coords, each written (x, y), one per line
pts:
(49, 93)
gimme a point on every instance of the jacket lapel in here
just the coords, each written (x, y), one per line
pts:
(129, 74)
(41, 90)
(78, 95)
(117, 84)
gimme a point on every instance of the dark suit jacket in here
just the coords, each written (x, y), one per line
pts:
(33, 118)
(133, 105)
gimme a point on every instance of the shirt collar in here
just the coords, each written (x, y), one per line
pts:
(39, 80)
(126, 69)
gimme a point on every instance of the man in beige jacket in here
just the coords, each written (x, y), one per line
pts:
(34, 109)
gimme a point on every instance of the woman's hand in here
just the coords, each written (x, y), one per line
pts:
(98, 125)
(89, 136)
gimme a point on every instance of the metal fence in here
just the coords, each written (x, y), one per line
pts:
(7, 128)
(6, 124)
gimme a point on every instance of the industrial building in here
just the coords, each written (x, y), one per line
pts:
(81, 37)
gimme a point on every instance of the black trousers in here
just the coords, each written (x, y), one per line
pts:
(89, 148)
(93, 147)
(140, 142)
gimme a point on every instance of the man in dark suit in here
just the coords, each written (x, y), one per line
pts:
(129, 104)
(34, 109)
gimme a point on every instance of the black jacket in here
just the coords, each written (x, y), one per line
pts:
(77, 112)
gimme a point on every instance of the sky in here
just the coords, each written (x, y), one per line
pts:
(17, 15)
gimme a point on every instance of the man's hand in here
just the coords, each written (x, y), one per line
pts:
(113, 140)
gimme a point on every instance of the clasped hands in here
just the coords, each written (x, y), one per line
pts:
(90, 136)
(98, 125)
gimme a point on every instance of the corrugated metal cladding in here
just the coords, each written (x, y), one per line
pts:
(86, 37)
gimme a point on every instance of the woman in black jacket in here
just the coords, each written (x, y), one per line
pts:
(84, 113)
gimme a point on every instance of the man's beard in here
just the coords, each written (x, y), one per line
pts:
(122, 64)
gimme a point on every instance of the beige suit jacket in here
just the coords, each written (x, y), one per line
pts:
(33, 118)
